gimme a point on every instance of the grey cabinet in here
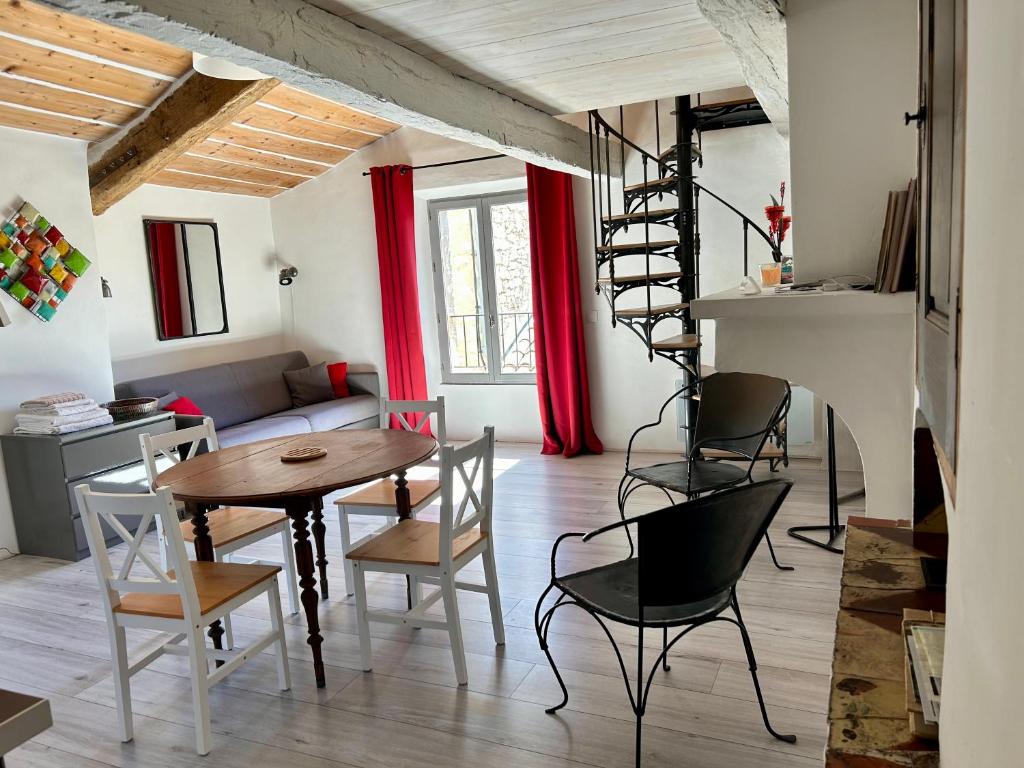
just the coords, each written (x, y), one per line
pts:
(43, 470)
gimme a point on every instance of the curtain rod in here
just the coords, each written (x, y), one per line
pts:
(450, 162)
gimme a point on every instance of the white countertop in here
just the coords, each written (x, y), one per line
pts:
(732, 303)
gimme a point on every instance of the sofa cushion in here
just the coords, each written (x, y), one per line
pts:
(213, 388)
(333, 414)
(229, 393)
(262, 383)
(280, 425)
(309, 385)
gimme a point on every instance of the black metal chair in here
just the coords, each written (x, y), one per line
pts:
(737, 412)
(689, 558)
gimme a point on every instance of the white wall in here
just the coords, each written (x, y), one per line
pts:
(250, 281)
(71, 351)
(852, 75)
(984, 667)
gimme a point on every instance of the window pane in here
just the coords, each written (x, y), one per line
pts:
(463, 290)
(510, 244)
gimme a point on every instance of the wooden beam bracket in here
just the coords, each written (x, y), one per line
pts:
(200, 106)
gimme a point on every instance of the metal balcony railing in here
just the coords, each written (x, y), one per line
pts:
(467, 342)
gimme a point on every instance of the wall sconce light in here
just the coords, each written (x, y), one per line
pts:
(105, 289)
(287, 275)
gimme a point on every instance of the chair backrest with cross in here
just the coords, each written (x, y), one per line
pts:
(167, 446)
(467, 490)
(414, 416)
(109, 509)
(174, 447)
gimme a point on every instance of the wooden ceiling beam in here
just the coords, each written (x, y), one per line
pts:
(200, 106)
(323, 54)
(756, 32)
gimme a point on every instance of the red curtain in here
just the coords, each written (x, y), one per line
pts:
(399, 295)
(163, 251)
(559, 346)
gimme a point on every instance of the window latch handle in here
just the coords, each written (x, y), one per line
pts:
(490, 320)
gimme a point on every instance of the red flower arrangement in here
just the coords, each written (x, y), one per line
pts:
(778, 222)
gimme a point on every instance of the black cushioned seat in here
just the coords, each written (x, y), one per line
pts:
(611, 590)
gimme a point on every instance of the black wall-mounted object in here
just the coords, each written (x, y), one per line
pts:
(287, 275)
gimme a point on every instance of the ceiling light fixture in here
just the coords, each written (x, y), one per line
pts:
(222, 69)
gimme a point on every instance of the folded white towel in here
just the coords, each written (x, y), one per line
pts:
(61, 398)
(34, 419)
(82, 408)
(47, 429)
(78, 406)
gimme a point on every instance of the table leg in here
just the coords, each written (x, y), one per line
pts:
(403, 502)
(204, 551)
(298, 511)
(834, 529)
(403, 505)
(319, 538)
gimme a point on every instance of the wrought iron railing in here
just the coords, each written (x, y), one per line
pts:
(467, 340)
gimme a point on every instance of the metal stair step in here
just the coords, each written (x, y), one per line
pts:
(670, 154)
(678, 342)
(637, 247)
(640, 216)
(660, 309)
(667, 184)
(640, 279)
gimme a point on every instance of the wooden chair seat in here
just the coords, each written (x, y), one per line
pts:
(216, 584)
(230, 524)
(413, 542)
(382, 494)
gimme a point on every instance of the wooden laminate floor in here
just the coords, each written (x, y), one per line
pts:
(409, 712)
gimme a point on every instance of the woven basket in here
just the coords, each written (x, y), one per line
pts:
(131, 408)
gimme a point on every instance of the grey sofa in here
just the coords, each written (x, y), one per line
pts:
(249, 400)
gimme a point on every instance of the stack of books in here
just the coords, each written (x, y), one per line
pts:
(925, 635)
(896, 256)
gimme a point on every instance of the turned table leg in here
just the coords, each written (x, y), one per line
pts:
(204, 551)
(403, 505)
(319, 538)
(298, 511)
(403, 502)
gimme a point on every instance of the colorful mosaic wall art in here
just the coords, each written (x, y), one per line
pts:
(38, 267)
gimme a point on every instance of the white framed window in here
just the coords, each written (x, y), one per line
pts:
(482, 285)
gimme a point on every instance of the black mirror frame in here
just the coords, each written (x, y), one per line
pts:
(188, 278)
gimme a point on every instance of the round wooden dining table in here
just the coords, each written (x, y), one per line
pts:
(254, 475)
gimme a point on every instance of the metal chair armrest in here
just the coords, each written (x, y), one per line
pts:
(554, 548)
(661, 415)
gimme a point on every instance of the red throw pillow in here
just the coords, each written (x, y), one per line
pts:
(337, 373)
(183, 407)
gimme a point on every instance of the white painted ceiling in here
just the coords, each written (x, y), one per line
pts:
(560, 55)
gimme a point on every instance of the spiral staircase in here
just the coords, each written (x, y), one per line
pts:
(649, 278)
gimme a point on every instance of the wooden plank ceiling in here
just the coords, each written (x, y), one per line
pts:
(564, 56)
(74, 77)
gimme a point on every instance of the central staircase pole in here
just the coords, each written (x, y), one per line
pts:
(685, 123)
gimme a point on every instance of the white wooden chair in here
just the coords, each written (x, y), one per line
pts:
(182, 601)
(378, 498)
(433, 553)
(231, 528)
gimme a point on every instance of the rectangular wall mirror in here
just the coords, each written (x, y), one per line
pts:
(188, 283)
